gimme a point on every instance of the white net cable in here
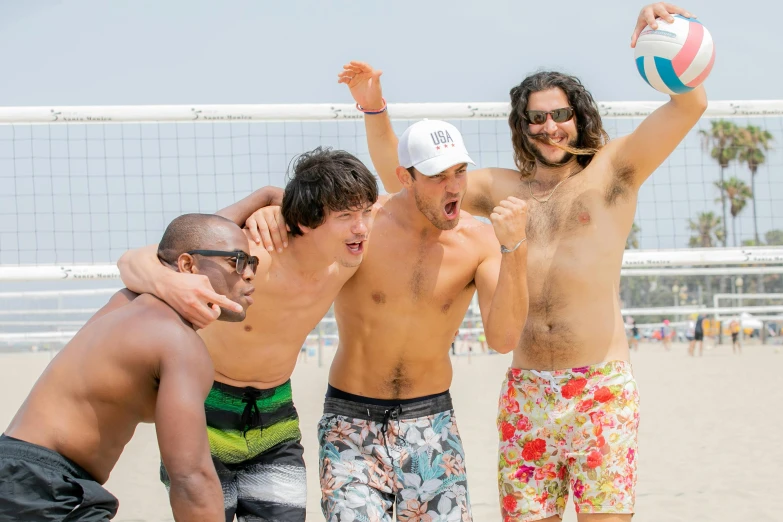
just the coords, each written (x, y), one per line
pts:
(84, 184)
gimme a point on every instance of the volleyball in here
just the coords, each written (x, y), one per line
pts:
(676, 57)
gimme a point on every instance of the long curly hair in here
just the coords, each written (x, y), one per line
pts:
(591, 133)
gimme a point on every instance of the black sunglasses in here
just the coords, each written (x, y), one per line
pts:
(241, 258)
(558, 115)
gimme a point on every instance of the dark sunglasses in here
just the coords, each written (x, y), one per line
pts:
(240, 258)
(558, 115)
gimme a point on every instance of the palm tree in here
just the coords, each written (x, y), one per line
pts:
(632, 241)
(721, 139)
(738, 193)
(628, 286)
(753, 141)
(709, 230)
(774, 237)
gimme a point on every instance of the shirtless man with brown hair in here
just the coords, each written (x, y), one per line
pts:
(569, 405)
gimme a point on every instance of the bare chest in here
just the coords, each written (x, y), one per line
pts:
(585, 206)
(566, 214)
(424, 275)
(284, 311)
(574, 239)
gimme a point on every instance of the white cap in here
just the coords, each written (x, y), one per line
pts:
(432, 146)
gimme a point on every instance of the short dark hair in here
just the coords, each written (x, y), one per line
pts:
(592, 135)
(189, 232)
(325, 180)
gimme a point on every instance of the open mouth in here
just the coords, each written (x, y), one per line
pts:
(555, 140)
(451, 209)
(551, 140)
(356, 248)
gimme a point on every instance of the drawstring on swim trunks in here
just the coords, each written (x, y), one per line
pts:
(392, 414)
(251, 415)
(548, 376)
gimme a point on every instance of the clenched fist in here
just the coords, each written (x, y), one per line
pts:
(509, 219)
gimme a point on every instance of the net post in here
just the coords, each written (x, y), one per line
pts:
(320, 343)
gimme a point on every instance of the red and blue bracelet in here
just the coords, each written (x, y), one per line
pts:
(366, 111)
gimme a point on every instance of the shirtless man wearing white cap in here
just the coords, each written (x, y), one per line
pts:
(388, 434)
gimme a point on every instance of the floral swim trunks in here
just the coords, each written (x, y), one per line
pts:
(574, 427)
(378, 455)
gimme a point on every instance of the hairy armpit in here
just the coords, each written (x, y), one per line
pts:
(482, 204)
(620, 184)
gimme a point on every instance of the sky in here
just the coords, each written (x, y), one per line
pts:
(94, 52)
(99, 52)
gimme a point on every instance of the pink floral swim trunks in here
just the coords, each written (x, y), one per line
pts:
(567, 428)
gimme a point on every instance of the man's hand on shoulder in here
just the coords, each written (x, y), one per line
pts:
(267, 227)
(263, 255)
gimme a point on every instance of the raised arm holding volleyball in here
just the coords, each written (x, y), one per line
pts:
(570, 378)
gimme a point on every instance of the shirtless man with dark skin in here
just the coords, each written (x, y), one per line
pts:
(253, 425)
(136, 360)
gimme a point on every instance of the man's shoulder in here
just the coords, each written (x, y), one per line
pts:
(501, 172)
(257, 250)
(152, 320)
(477, 231)
(382, 200)
(470, 223)
(153, 306)
(496, 179)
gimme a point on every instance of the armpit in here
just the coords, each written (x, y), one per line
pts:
(620, 183)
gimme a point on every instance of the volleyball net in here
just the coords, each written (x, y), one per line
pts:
(81, 185)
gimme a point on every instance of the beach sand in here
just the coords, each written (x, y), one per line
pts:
(709, 439)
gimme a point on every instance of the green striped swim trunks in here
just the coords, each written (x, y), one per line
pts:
(242, 423)
(255, 439)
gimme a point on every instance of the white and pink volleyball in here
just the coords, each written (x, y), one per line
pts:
(676, 57)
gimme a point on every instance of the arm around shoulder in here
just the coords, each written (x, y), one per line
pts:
(141, 270)
(189, 294)
(244, 208)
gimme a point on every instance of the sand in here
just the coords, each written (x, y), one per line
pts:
(710, 436)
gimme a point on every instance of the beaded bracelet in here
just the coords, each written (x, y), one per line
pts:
(379, 111)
